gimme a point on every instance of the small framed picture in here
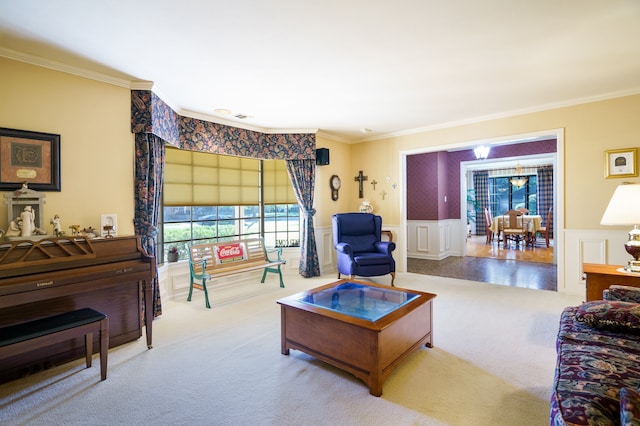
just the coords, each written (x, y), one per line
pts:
(620, 163)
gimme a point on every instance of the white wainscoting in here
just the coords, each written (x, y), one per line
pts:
(324, 245)
(588, 246)
(435, 239)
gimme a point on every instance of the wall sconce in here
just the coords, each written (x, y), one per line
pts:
(624, 209)
(482, 152)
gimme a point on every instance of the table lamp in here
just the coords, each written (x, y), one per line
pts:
(624, 209)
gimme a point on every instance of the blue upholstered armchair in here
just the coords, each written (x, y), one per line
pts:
(360, 251)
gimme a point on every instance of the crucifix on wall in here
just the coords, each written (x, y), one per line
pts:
(360, 178)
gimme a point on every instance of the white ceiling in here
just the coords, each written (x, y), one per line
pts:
(339, 66)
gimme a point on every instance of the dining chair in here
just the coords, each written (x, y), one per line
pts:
(488, 221)
(546, 228)
(514, 227)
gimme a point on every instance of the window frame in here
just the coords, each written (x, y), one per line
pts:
(285, 233)
(494, 201)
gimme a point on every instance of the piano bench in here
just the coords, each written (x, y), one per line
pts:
(20, 338)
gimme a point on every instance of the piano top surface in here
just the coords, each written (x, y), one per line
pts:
(24, 257)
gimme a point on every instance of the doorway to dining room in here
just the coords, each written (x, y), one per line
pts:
(434, 234)
(490, 185)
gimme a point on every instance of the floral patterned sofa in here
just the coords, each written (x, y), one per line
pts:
(598, 366)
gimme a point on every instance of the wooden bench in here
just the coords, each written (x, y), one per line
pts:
(224, 258)
(21, 338)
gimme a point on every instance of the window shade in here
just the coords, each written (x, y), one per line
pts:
(277, 185)
(198, 178)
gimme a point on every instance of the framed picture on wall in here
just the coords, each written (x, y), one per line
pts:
(29, 157)
(621, 163)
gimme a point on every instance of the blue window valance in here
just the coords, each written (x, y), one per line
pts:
(150, 114)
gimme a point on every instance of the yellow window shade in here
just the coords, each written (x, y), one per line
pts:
(198, 178)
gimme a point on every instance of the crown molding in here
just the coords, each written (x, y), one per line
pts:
(134, 85)
(149, 85)
(513, 113)
(142, 85)
(333, 137)
(59, 66)
(220, 120)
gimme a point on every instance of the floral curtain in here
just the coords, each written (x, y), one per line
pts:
(151, 116)
(302, 174)
(149, 173)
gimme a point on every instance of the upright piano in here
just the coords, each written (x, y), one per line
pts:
(45, 277)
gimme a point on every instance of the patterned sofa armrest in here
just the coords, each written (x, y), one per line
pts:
(622, 293)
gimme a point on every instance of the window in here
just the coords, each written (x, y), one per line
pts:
(209, 197)
(503, 196)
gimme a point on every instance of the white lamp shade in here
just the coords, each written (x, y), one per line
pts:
(624, 206)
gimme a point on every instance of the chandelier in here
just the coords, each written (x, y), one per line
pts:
(518, 181)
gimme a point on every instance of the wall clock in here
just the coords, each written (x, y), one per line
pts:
(335, 183)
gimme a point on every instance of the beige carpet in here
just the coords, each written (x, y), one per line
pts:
(492, 364)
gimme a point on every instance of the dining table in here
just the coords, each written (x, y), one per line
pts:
(532, 222)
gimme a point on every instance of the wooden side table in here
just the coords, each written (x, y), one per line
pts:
(600, 277)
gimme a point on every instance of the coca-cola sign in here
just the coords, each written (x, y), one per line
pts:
(230, 252)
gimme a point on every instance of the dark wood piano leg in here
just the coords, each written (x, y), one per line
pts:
(148, 312)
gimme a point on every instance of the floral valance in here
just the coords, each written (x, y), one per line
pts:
(150, 114)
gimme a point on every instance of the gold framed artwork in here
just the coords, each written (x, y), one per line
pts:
(620, 163)
(29, 157)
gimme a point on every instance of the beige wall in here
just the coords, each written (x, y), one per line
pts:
(589, 130)
(97, 149)
(96, 143)
(339, 161)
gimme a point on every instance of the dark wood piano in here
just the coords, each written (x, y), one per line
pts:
(55, 275)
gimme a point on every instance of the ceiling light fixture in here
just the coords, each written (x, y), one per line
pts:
(520, 180)
(482, 152)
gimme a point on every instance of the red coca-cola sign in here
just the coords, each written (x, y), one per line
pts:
(230, 252)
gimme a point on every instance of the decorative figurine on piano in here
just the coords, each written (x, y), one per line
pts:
(24, 225)
(24, 214)
(28, 221)
(89, 232)
(57, 226)
(14, 228)
(75, 229)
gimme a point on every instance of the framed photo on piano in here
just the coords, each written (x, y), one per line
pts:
(29, 157)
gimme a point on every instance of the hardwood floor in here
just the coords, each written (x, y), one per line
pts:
(477, 247)
(492, 263)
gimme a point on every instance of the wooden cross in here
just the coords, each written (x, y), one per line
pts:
(360, 178)
(383, 194)
(374, 183)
